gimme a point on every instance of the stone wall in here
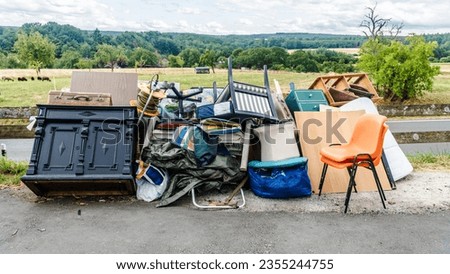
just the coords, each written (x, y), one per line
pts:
(18, 112)
(15, 131)
(415, 110)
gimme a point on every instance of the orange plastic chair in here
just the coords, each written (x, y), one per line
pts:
(364, 149)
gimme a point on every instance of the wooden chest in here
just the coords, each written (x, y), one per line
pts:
(56, 97)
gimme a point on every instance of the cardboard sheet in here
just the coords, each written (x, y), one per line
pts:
(122, 86)
(320, 129)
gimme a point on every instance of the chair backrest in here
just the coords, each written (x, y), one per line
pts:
(368, 134)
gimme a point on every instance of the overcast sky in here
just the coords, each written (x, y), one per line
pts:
(227, 16)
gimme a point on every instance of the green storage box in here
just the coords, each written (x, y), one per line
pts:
(305, 100)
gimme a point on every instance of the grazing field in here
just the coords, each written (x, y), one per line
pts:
(29, 93)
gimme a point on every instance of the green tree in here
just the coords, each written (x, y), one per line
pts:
(85, 50)
(35, 50)
(209, 59)
(109, 56)
(7, 39)
(401, 71)
(97, 37)
(166, 46)
(254, 58)
(302, 61)
(69, 59)
(141, 57)
(12, 62)
(84, 63)
(278, 56)
(190, 56)
(3, 61)
(175, 61)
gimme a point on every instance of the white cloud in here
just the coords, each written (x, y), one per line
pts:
(78, 13)
(185, 10)
(246, 22)
(226, 16)
(183, 24)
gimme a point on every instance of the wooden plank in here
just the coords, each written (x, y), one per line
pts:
(246, 146)
(122, 86)
(315, 132)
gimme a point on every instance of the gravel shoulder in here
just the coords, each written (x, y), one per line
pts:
(420, 192)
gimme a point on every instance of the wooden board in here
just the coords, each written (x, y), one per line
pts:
(122, 86)
(315, 132)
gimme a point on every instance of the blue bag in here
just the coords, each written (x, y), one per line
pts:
(280, 179)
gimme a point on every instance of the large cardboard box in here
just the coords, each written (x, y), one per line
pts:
(320, 129)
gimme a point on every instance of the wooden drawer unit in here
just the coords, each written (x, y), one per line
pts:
(341, 89)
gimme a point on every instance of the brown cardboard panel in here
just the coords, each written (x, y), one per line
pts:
(122, 86)
(320, 129)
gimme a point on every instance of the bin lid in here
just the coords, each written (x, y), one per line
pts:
(296, 161)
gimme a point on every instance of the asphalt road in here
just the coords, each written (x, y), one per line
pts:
(124, 226)
(20, 149)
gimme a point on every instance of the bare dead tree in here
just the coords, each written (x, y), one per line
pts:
(395, 30)
(374, 26)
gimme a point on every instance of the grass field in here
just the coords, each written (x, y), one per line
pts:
(30, 93)
(428, 161)
(10, 172)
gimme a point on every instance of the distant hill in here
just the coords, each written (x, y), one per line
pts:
(68, 38)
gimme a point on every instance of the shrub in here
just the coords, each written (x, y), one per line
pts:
(401, 71)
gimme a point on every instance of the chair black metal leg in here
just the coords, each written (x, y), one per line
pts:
(388, 171)
(354, 182)
(350, 186)
(377, 181)
(322, 177)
